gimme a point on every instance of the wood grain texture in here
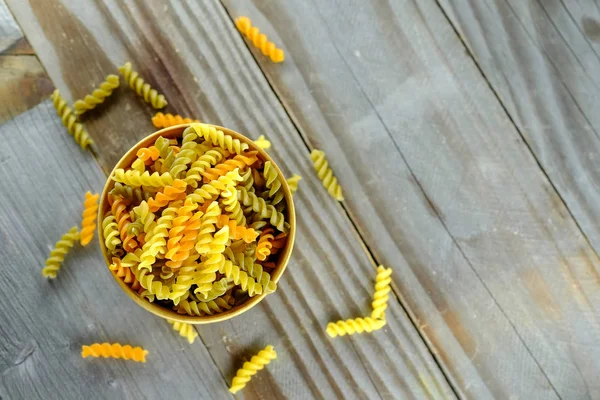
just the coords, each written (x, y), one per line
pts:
(495, 271)
(44, 175)
(193, 54)
(542, 58)
(23, 81)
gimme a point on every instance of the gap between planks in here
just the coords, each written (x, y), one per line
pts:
(359, 236)
(527, 143)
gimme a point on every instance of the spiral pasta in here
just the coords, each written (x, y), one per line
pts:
(161, 120)
(134, 195)
(173, 192)
(124, 273)
(197, 308)
(123, 218)
(325, 174)
(136, 179)
(111, 233)
(217, 289)
(352, 326)
(157, 241)
(240, 161)
(262, 209)
(114, 350)
(241, 278)
(218, 138)
(142, 88)
(180, 252)
(88, 222)
(148, 154)
(237, 232)
(188, 244)
(57, 255)
(185, 330)
(69, 120)
(382, 290)
(264, 245)
(232, 205)
(198, 167)
(293, 182)
(250, 368)
(259, 40)
(98, 96)
(273, 183)
(262, 142)
(145, 216)
(213, 189)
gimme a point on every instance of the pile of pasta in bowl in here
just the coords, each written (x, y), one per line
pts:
(197, 223)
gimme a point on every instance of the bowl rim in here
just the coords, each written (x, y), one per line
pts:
(176, 131)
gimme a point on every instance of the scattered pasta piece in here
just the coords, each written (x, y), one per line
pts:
(259, 40)
(98, 96)
(293, 182)
(114, 350)
(325, 174)
(250, 368)
(69, 120)
(382, 290)
(88, 222)
(161, 120)
(57, 256)
(262, 142)
(352, 326)
(185, 330)
(142, 88)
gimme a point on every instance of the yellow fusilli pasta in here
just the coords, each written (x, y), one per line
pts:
(57, 255)
(98, 96)
(352, 326)
(325, 174)
(70, 121)
(88, 222)
(218, 138)
(111, 233)
(262, 142)
(114, 350)
(142, 88)
(136, 179)
(185, 330)
(259, 40)
(250, 368)
(382, 290)
(293, 182)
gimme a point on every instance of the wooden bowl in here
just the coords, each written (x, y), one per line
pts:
(127, 160)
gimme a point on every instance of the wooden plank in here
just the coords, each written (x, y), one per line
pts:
(494, 270)
(44, 175)
(542, 59)
(23, 81)
(193, 54)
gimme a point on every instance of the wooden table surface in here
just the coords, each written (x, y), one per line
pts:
(465, 135)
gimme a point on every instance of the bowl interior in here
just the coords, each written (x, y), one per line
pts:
(281, 264)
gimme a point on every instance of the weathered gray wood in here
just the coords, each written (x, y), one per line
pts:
(542, 58)
(43, 176)
(193, 54)
(494, 270)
